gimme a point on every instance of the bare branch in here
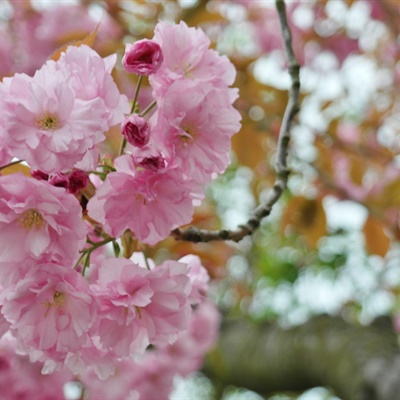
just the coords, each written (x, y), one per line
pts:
(282, 172)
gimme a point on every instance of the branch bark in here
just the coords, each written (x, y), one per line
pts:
(193, 234)
(357, 362)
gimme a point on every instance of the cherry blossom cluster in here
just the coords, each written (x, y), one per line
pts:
(183, 145)
(65, 301)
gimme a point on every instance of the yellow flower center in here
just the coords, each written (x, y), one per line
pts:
(32, 219)
(48, 123)
(58, 301)
(186, 139)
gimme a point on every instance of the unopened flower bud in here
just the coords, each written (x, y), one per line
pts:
(136, 130)
(39, 175)
(144, 57)
(149, 158)
(77, 180)
(59, 180)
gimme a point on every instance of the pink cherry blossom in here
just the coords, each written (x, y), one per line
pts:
(90, 77)
(148, 203)
(46, 125)
(154, 374)
(169, 311)
(143, 57)
(187, 56)
(116, 387)
(50, 311)
(187, 353)
(37, 222)
(139, 307)
(21, 379)
(196, 122)
(57, 118)
(136, 130)
(123, 289)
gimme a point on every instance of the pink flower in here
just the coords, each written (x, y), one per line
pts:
(136, 130)
(153, 374)
(57, 118)
(22, 379)
(38, 222)
(90, 77)
(188, 352)
(144, 57)
(116, 387)
(50, 311)
(139, 307)
(123, 289)
(169, 311)
(196, 122)
(46, 125)
(148, 203)
(187, 56)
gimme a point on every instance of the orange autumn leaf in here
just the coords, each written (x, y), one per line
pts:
(307, 218)
(376, 240)
(87, 40)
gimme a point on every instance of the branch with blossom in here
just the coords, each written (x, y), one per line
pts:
(66, 302)
(196, 235)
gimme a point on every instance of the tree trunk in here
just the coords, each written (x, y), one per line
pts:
(357, 362)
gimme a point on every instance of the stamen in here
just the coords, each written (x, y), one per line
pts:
(48, 123)
(32, 219)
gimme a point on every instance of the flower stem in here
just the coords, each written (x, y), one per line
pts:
(87, 252)
(135, 97)
(148, 109)
(138, 84)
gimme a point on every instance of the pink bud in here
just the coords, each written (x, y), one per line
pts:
(149, 158)
(39, 175)
(152, 163)
(136, 130)
(144, 57)
(77, 180)
(59, 180)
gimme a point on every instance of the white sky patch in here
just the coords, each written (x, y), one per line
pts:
(346, 214)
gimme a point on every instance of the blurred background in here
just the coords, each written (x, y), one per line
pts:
(330, 245)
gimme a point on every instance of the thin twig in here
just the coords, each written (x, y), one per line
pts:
(282, 172)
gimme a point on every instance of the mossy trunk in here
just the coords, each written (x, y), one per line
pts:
(357, 362)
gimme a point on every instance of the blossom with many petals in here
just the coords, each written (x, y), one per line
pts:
(57, 118)
(196, 123)
(139, 307)
(38, 222)
(148, 203)
(187, 56)
(50, 311)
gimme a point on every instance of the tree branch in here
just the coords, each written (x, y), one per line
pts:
(193, 234)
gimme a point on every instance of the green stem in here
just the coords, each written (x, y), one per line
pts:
(88, 252)
(148, 109)
(135, 97)
(139, 83)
